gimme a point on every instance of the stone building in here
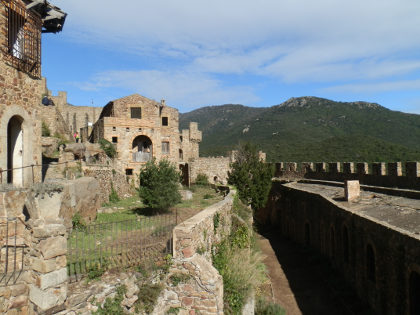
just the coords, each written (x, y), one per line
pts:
(21, 86)
(142, 129)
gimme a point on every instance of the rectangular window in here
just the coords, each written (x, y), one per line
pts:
(136, 112)
(127, 129)
(165, 147)
(114, 139)
(23, 38)
(114, 128)
(128, 171)
(164, 121)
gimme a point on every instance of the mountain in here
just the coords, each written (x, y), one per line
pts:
(310, 129)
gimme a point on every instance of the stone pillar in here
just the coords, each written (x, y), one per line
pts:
(378, 169)
(348, 167)
(279, 168)
(362, 168)
(320, 167)
(351, 190)
(412, 169)
(395, 169)
(334, 167)
(48, 290)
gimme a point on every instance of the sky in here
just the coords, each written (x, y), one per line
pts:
(195, 53)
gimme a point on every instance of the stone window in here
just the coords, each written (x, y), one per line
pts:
(114, 139)
(114, 128)
(180, 138)
(370, 263)
(127, 129)
(164, 121)
(129, 171)
(165, 147)
(23, 38)
(136, 112)
(181, 154)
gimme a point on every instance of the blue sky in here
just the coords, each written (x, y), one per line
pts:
(195, 53)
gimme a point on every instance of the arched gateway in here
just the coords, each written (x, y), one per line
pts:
(142, 149)
(15, 151)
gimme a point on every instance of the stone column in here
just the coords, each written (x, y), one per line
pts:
(48, 288)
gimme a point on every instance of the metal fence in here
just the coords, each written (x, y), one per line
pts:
(12, 250)
(119, 244)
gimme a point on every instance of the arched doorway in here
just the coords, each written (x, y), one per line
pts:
(142, 149)
(15, 151)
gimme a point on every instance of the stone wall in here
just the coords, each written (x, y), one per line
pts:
(344, 232)
(394, 174)
(192, 242)
(107, 176)
(216, 169)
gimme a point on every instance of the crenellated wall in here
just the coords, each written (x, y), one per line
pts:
(394, 174)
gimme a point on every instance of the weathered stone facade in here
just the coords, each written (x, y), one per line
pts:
(142, 129)
(21, 92)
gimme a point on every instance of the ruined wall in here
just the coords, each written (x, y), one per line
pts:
(216, 169)
(343, 236)
(204, 292)
(74, 117)
(107, 176)
(20, 96)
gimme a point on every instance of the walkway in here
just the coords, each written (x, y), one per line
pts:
(303, 282)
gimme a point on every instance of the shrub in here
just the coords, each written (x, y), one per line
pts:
(263, 307)
(159, 185)
(77, 221)
(251, 176)
(201, 179)
(108, 148)
(148, 296)
(113, 196)
(113, 306)
(45, 130)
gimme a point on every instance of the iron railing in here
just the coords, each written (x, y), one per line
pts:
(12, 249)
(119, 244)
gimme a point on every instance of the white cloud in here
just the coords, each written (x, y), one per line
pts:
(391, 86)
(182, 89)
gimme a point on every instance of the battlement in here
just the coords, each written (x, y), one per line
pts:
(393, 174)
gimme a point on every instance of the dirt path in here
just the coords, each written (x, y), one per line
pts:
(303, 283)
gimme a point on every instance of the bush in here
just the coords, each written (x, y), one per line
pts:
(251, 176)
(113, 196)
(159, 185)
(45, 130)
(202, 179)
(78, 222)
(108, 148)
(263, 307)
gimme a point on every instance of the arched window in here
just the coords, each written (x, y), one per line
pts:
(142, 149)
(370, 263)
(346, 254)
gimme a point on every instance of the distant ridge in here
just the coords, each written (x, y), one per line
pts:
(311, 129)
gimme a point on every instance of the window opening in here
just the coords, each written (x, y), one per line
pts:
(165, 147)
(23, 38)
(114, 128)
(114, 139)
(181, 154)
(128, 171)
(127, 129)
(136, 112)
(164, 121)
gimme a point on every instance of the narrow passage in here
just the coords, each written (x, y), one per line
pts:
(303, 282)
